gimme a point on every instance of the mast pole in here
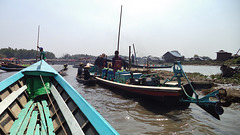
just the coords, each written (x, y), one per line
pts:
(135, 56)
(37, 42)
(119, 29)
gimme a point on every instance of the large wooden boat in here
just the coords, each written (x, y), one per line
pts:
(164, 94)
(171, 92)
(37, 100)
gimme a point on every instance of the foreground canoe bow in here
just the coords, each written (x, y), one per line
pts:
(37, 100)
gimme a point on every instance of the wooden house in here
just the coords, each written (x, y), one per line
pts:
(172, 56)
(223, 56)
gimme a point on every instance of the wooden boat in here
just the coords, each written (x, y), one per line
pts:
(89, 82)
(227, 71)
(8, 69)
(63, 72)
(12, 65)
(37, 100)
(172, 92)
(170, 95)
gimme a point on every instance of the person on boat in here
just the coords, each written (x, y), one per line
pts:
(132, 59)
(101, 63)
(42, 54)
(65, 67)
(80, 70)
(87, 75)
(116, 62)
(96, 63)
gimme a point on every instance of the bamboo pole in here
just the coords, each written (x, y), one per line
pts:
(129, 59)
(119, 29)
(135, 56)
(53, 107)
(37, 42)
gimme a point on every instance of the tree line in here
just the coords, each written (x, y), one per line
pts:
(23, 53)
(77, 56)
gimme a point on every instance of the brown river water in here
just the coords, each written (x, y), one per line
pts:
(130, 114)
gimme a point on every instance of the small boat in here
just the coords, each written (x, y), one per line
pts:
(89, 82)
(75, 66)
(11, 67)
(63, 72)
(171, 92)
(228, 71)
(37, 100)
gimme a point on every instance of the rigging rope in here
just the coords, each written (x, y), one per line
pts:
(53, 107)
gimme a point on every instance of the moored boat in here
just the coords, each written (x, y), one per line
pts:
(37, 100)
(8, 69)
(11, 67)
(171, 92)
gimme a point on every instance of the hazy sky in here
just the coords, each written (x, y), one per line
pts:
(200, 27)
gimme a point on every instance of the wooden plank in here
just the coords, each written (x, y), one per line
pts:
(11, 114)
(2, 130)
(32, 123)
(48, 119)
(70, 119)
(42, 119)
(17, 123)
(26, 120)
(10, 98)
(37, 131)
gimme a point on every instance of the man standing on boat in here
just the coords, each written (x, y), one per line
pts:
(116, 62)
(42, 53)
(80, 70)
(102, 63)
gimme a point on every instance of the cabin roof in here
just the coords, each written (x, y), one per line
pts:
(175, 53)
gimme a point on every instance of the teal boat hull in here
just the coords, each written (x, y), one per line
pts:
(69, 112)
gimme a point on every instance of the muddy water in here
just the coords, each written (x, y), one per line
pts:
(132, 115)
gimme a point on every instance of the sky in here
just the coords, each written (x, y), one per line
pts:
(201, 27)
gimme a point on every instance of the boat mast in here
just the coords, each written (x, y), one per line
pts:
(135, 56)
(37, 42)
(119, 29)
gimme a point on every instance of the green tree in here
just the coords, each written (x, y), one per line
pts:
(50, 55)
(22, 53)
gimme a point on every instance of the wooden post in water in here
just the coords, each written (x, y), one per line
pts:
(37, 42)
(135, 56)
(119, 29)
(129, 59)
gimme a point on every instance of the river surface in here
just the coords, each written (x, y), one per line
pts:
(134, 116)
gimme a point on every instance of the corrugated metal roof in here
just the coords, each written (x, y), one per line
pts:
(175, 53)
